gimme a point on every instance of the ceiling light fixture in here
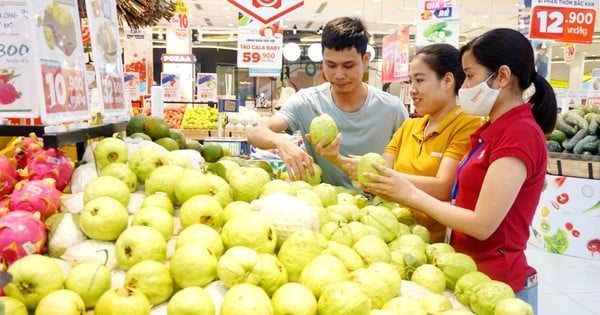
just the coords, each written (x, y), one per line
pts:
(315, 53)
(320, 30)
(294, 29)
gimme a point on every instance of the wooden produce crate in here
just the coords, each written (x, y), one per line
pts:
(201, 134)
(574, 165)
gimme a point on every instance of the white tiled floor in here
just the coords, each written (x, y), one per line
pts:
(567, 285)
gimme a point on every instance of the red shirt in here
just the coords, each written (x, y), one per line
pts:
(514, 134)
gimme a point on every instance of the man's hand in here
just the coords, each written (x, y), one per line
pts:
(295, 159)
(328, 151)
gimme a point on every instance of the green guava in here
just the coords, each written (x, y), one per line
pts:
(152, 278)
(364, 166)
(322, 271)
(245, 298)
(294, 298)
(107, 186)
(486, 295)
(351, 259)
(372, 248)
(323, 126)
(454, 266)
(465, 284)
(430, 277)
(299, 249)
(193, 265)
(201, 234)
(90, 280)
(190, 300)
(344, 298)
(510, 306)
(252, 229)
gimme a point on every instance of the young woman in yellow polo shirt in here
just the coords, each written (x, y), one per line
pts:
(428, 149)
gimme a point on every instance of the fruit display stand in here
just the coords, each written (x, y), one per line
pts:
(78, 137)
(567, 218)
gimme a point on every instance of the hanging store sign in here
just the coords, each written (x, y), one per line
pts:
(259, 45)
(267, 11)
(395, 51)
(563, 21)
(438, 21)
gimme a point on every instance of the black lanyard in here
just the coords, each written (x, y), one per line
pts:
(460, 166)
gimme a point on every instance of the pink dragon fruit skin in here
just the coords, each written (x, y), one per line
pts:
(26, 148)
(51, 163)
(38, 195)
(22, 233)
(8, 176)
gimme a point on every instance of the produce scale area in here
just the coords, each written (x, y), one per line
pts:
(128, 185)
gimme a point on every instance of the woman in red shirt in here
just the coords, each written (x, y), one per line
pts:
(499, 181)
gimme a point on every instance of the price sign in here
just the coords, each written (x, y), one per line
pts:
(573, 24)
(16, 63)
(112, 91)
(259, 45)
(64, 89)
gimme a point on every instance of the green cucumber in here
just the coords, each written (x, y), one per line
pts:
(582, 133)
(573, 118)
(564, 127)
(591, 147)
(434, 28)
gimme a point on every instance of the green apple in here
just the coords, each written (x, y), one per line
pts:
(64, 302)
(323, 126)
(193, 265)
(163, 179)
(202, 209)
(90, 280)
(365, 166)
(252, 230)
(122, 301)
(138, 243)
(34, 276)
(152, 278)
(123, 172)
(191, 182)
(155, 217)
(107, 186)
(110, 150)
(247, 182)
(103, 218)
(160, 200)
(201, 234)
(190, 300)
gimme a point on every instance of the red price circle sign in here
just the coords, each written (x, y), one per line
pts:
(562, 24)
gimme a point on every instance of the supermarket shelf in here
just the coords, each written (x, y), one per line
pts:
(201, 134)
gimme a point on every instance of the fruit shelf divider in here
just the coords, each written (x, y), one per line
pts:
(78, 137)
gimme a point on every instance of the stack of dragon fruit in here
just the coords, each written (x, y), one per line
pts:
(31, 184)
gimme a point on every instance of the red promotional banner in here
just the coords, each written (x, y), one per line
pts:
(565, 23)
(395, 57)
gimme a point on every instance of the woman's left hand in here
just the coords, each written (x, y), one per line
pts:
(388, 184)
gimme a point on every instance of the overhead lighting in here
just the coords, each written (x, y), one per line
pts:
(314, 53)
(294, 29)
(320, 30)
(291, 51)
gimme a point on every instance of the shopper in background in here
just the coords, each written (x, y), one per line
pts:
(367, 117)
(499, 182)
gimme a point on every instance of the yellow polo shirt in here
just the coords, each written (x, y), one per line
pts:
(419, 155)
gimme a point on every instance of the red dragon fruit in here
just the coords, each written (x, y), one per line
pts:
(8, 176)
(26, 149)
(22, 233)
(38, 195)
(50, 163)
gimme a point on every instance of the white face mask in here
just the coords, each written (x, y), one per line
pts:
(479, 99)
